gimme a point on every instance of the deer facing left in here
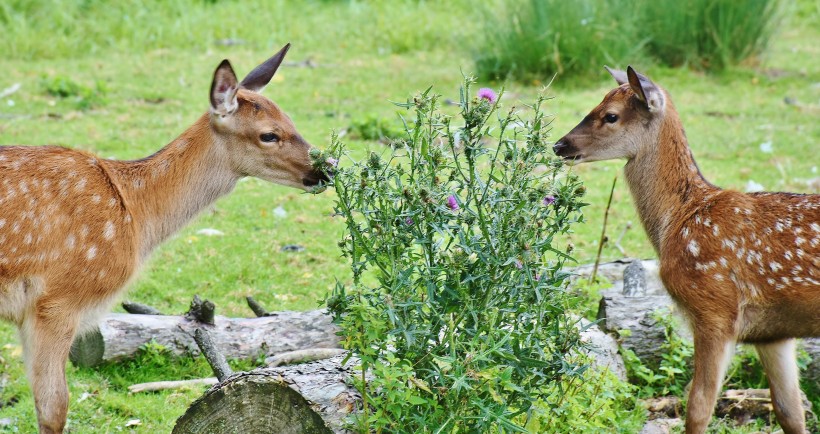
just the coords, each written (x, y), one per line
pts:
(75, 228)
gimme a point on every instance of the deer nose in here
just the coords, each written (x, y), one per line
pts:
(558, 146)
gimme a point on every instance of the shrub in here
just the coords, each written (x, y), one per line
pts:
(537, 39)
(595, 402)
(708, 34)
(541, 38)
(376, 128)
(456, 306)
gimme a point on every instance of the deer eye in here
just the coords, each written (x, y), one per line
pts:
(269, 137)
(611, 118)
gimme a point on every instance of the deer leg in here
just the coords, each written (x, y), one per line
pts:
(712, 354)
(46, 342)
(779, 359)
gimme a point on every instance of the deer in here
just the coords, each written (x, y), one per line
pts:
(76, 228)
(742, 267)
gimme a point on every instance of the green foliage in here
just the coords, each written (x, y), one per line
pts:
(83, 97)
(708, 34)
(154, 362)
(587, 295)
(595, 402)
(373, 127)
(536, 39)
(464, 328)
(43, 29)
(674, 371)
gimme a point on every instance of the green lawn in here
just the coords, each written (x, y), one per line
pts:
(157, 80)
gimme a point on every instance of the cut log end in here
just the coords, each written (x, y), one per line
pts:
(88, 349)
(251, 403)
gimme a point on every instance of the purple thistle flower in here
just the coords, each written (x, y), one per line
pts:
(332, 162)
(549, 200)
(488, 94)
(518, 264)
(452, 203)
(408, 221)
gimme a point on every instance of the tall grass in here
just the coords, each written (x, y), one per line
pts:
(536, 39)
(708, 34)
(540, 38)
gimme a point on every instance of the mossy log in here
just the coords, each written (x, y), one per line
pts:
(120, 336)
(310, 398)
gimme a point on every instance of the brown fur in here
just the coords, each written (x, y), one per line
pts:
(742, 267)
(74, 228)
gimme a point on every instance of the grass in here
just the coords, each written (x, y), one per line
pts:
(155, 67)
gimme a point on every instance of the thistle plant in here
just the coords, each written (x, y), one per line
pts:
(457, 305)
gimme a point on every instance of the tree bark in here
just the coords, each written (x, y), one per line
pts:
(311, 398)
(120, 336)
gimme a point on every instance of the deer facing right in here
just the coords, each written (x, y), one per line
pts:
(75, 228)
(742, 267)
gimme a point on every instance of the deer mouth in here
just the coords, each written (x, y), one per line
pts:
(316, 178)
(567, 151)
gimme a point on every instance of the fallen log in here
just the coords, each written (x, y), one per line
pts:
(310, 398)
(120, 336)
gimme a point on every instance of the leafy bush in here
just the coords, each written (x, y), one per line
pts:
(456, 306)
(595, 402)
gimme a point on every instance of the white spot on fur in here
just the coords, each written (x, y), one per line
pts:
(815, 227)
(694, 248)
(27, 239)
(775, 266)
(80, 186)
(91, 253)
(2, 223)
(715, 230)
(108, 233)
(685, 232)
(799, 240)
(70, 241)
(96, 198)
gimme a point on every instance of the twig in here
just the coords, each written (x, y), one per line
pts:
(166, 385)
(302, 356)
(212, 354)
(603, 232)
(621, 237)
(139, 308)
(257, 308)
(10, 90)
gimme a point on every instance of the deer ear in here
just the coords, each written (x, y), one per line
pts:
(223, 89)
(617, 74)
(645, 90)
(261, 75)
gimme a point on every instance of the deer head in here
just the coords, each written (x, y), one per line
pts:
(627, 120)
(261, 139)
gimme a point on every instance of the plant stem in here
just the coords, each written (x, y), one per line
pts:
(603, 232)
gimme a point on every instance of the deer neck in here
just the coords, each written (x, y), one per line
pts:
(166, 190)
(665, 181)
